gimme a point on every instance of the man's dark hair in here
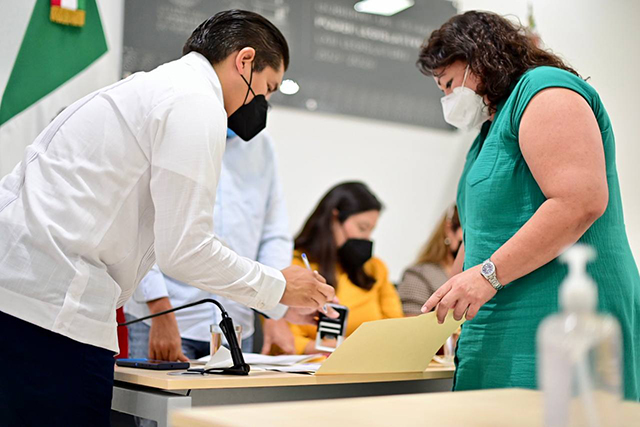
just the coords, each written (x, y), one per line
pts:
(232, 30)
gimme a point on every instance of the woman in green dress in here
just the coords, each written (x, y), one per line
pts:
(540, 176)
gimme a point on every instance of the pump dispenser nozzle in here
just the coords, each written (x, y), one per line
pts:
(578, 292)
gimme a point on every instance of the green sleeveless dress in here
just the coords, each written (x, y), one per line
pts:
(497, 194)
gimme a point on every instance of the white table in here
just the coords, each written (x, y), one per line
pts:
(486, 408)
(154, 394)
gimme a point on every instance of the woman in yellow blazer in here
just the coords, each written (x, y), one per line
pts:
(336, 239)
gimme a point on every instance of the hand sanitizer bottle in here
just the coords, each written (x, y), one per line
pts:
(579, 354)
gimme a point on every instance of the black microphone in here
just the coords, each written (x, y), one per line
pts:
(240, 367)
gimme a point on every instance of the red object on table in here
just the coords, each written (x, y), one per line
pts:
(123, 335)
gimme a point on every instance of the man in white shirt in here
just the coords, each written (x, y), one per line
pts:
(124, 178)
(250, 216)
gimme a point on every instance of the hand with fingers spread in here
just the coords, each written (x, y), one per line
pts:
(310, 348)
(277, 333)
(164, 336)
(309, 316)
(306, 289)
(465, 292)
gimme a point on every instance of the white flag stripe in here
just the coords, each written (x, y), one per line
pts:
(14, 21)
(22, 129)
(69, 4)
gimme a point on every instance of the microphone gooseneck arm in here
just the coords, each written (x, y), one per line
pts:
(240, 367)
(171, 310)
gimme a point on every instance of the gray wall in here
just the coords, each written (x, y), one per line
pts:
(346, 62)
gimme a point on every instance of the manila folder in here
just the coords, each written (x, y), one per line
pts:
(391, 345)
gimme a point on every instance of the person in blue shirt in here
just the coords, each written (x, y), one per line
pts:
(251, 218)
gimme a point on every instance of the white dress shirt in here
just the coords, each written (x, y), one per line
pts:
(250, 217)
(123, 178)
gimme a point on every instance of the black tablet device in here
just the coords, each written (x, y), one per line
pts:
(158, 365)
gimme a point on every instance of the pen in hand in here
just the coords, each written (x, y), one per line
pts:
(306, 264)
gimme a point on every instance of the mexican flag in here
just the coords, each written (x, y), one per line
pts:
(53, 53)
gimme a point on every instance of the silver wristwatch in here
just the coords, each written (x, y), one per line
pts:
(488, 271)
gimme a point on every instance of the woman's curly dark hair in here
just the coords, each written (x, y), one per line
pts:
(497, 51)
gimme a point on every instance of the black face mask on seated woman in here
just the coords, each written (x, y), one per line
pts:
(352, 257)
(347, 213)
(354, 253)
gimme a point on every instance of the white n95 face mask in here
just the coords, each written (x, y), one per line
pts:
(463, 108)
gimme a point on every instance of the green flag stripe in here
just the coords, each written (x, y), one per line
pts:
(50, 55)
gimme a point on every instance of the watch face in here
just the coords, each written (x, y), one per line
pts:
(488, 268)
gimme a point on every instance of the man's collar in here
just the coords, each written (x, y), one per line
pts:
(202, 64)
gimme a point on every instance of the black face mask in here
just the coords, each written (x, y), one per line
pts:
(354, 253)
(250, 119)
(454, 252)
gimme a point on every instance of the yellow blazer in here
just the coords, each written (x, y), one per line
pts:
(380, 302)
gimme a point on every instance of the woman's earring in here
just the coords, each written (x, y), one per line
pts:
(447, 241)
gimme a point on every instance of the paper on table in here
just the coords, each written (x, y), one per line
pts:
(282, 360)
(391, 345)
(222, 359)
(298, 368)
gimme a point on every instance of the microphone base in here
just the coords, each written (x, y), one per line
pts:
(241, 370)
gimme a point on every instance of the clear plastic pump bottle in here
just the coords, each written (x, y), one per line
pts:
(579, 354)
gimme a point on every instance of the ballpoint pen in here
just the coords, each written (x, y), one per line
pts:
(306, 261)
(306, 264)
